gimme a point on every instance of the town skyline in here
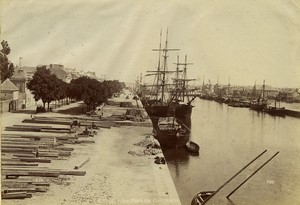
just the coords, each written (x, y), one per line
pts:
(249, 41)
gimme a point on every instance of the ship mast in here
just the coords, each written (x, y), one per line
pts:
(264, 86)
(184, 84)
(165, 69)
(158, 66)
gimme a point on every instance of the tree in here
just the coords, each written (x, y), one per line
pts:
(93, 92)
(6, 67)
(44, 85)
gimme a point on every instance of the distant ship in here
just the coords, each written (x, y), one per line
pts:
(261, 103)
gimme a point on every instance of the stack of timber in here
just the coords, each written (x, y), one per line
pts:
(67, 121)
(23, 157)
(38, 128)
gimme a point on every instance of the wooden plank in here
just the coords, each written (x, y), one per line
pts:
(39, 173)
(64, 148)
(35, 160)
(15, 195)
(24, 155)
(64, 153)
(34, 147)
(34, 126)
(72, 172)
(17, 150)
(47, 154)
(23, 129)
(28, 182)
(19, 164)
(81, 164)
(84, 141)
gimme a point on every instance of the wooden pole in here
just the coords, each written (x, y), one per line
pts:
(233, 177)
(83, 163)
(251, 175)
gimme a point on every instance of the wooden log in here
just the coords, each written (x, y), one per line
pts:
(23, 129)
(40, 184)
(39, 173)
(84, 141)
(34, 147)
(33, 126)
(64, 153)
(25, 155)
(72, 172)
(56, 131)
(47, 154)
(19, 164)
(83, 136)
(17, 150)
(11, 177)
(15, 195)
(35, 160)
(10, 159)
(25, 189)
(22, 189)
(81, 164)
(7, 182)
(15, 185)
(64, 148)
(66, 137)
(21, 143)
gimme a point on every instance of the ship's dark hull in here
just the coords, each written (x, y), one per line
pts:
(171, 138)
(276, 111)
(180, 111)
(258, 107)
(183, 111)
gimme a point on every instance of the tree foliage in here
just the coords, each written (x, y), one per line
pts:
(93, 92)
(6, 67)
(46, 86)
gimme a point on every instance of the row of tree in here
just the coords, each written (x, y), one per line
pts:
(47, 87)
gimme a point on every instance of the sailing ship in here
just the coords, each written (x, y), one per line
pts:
(169, 100)
(261, 103)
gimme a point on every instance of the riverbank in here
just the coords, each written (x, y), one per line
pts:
(113, 175)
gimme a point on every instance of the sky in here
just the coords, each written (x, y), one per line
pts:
(248, 40)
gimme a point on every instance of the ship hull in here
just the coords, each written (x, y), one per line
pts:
(258, 107)
(171, 138)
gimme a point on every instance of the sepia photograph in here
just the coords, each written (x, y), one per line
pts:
(141, 102)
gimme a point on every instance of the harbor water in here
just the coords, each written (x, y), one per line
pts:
(229, 138)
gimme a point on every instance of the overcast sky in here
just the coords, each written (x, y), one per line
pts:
(247, 40)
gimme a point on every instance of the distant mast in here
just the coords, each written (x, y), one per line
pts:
(263, 91)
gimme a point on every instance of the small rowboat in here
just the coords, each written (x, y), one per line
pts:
(192, 147)
(201, 197)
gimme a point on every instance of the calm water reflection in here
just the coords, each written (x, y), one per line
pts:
(229, 138)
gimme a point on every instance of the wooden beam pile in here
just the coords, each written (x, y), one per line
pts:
(66, 121)
(34, 128)
(22, 156)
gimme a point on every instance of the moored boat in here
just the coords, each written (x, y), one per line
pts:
(201, 197)
(171, 132)
(192, 147)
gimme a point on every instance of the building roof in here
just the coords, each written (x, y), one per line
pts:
(20, 75)
(7, 85)
(28, 69)
(59, 71)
